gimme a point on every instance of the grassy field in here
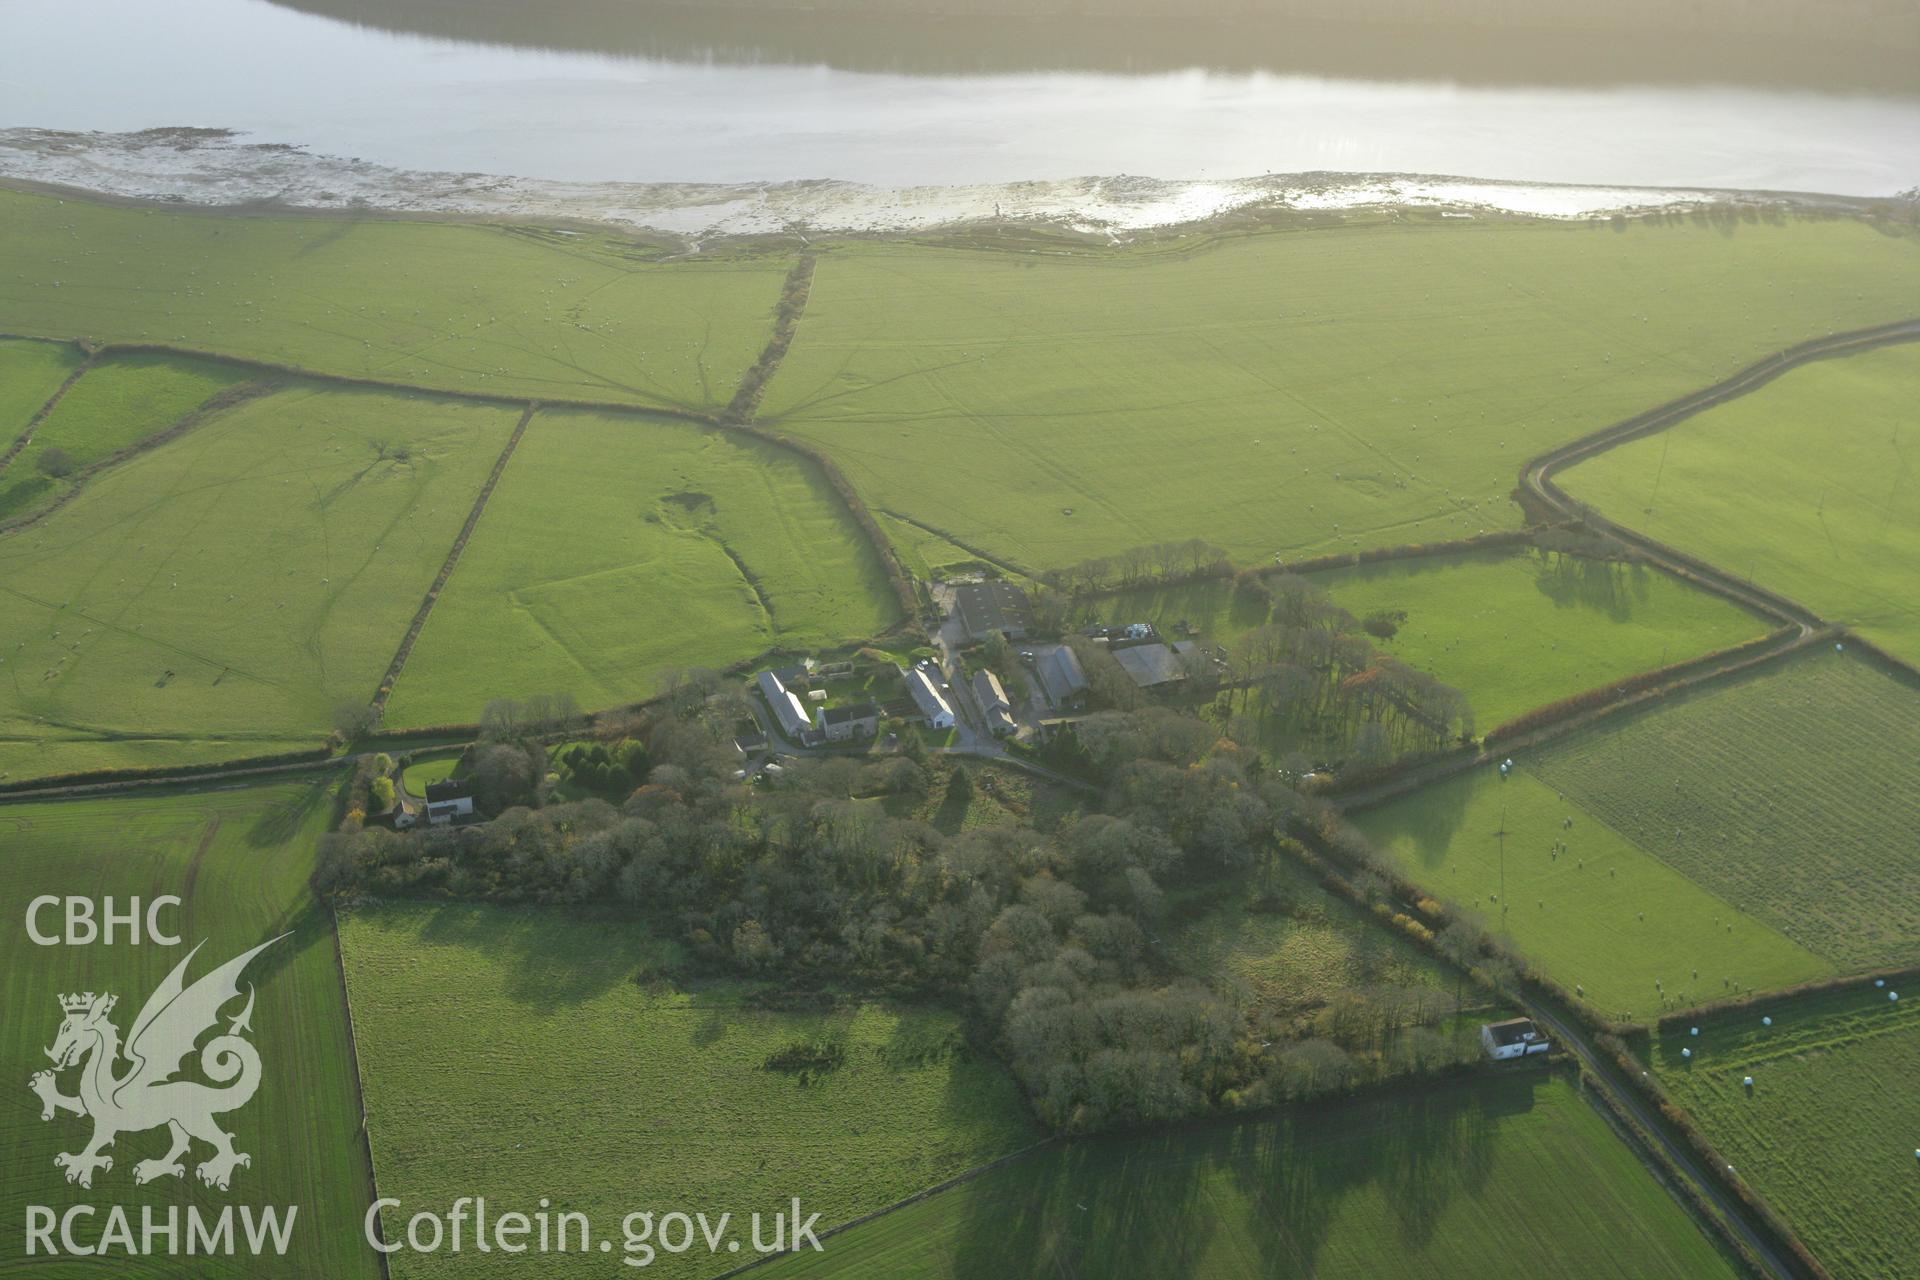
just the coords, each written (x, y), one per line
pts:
(1791, 795)
(616, 548)
(30, 372)
(1296, 959)
(1810, 485)
(221, 594)
(525, 311)
(567, 1065)
(1827, 1133)
(1518, 631)
(239, 858)
(1605, 916)
(1293, 392)
(1445, 1183)
(116, 403)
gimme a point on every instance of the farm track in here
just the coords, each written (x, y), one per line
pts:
(394, 668)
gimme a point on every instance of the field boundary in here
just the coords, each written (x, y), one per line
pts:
(405, 651)
(217, 403)
(794, 292)
(373, 1222)
(53, 402)
(925, 1193)
(984, 557)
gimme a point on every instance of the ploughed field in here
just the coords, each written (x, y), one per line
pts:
(239, 858)
(1746, 836)
(1826, 1132)
(1810, 486)
(564, 1060)
(1433, 1184)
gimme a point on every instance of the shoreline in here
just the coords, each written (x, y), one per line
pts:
(215, 171)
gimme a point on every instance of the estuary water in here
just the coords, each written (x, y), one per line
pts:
(594, 91)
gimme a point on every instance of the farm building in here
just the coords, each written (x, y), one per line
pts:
(787, 708)
(1514, 1038)
(994, 703)
(927, 696)
(1155, 664)
(449, 801)
(1061, 676)
(846, 724)
(986, 607)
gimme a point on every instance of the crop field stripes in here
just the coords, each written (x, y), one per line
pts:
(53, 402)
(394, 668)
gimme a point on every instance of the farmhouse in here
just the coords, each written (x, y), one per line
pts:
(927, 696)
(449, 801)
(845, 724)
(1155, 664)
(788, 710)
(986, 607)
(994, 703)
(1514, 1038)
(1061, 676)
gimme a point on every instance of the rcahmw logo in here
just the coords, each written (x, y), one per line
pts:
(145, 1082)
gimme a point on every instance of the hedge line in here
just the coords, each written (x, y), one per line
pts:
(1661, 680)
(1406, 551)
(1759, 1000)
(167, 773)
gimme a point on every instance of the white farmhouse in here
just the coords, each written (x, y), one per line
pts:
(927, 696)
(1514, 1038)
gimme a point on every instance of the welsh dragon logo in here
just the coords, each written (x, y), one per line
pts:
(146, 1095)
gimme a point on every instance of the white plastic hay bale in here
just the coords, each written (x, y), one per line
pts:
(1747, 1081)
(1879, 982)
(1686, 1053)
(1893, 995)
(1766, 1022)
(1693, 1031)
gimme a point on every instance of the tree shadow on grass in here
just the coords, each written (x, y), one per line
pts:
(550, 957)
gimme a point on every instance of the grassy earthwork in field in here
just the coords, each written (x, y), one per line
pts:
(616, 548)
(239, 858)
(1789, 794)
(1602, 915)
(221, 594)
(1431, 1185)
(1810, 485)
(521, 311)
(1827, 1132)
(1293, 946)
(567, 1063)
(1287, 392)
(116, 403)
(30, 372)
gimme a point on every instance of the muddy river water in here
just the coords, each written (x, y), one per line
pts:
(597, 91)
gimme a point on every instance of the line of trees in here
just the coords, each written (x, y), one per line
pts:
(1153, 564)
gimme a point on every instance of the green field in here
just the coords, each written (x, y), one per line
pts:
(30, 372)
(1298, 957)
(218, 596)
(239, 858)
(526, 311)
(1518, 631)
(116, 403)
(1828, 1133)
(616, 548)
(1294, 392)
(1445, 1183)
(1810, 485)
(1790, 794)
(419, 774)
(562, 1062)
(1605, 916)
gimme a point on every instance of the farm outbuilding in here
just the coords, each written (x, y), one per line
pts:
(849, 723)
(788, 711)
(994, 703)
(986, 607)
